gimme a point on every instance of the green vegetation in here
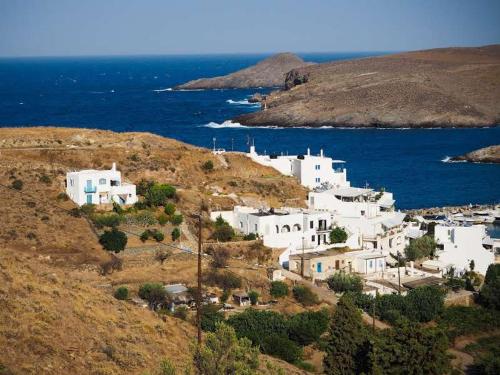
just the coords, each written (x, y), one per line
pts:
(169, 209)
(254, 297)
(422, 247)
(157, 235)
(154, 293)
(45, 179)
(62, 197)
(113, 240)
(210, 317)
(166, 368)
(208, 166)
(176, 219)
(341, 282)
(225, 280)
(282, 347)
(162, 219)
(176, 234)
(181, 312)
(490, 292)
(307, 327)
(486, 353)
(121, 293)
(305, 295)
(17, 184)
(338, 235)
(110, 220)
(250, 237)
(464, 320)
(155, 194)
(279, 289)
(222, 230)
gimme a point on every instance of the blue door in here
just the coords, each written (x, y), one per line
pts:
(318, 267)
(89, 198)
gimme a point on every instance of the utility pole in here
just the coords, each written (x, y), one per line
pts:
(198, 292)
(302, 259)
(399, 273)
(373, 314)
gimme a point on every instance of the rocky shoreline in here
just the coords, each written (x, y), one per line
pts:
(465, 209)
(489, 154)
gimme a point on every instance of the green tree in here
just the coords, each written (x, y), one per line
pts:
(420, 248)
(154, 293)
(307, 327)
(425, 303)
(254, 297)
(113, 240)
(223, 233)
(305, 295)
(490, 292)
(121, 293)
(170, 208)
(347, 340)
(158, 194)
(210, 317)
(176, 219)
(338, 235)
(492, 273)
(176, 234)
(282, 347)
(208, 166)
(279, 289)
(341, 282)
(223, 353)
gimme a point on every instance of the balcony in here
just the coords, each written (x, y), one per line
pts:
(90, 189)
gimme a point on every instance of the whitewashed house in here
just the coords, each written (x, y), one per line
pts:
(92, 186)
(458, 245)
(311, 170)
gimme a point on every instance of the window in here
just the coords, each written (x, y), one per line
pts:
(362, 213)
(318, 180)
(71, 182)
(102, 181)
(390, 242)
(311, 224)
(255, 228)
(370, 264)
(317, 167)
(313, 238)
(241, 224)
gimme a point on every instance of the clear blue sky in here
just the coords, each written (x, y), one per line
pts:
(109, 27)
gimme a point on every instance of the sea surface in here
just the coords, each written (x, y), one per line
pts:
(133, 94)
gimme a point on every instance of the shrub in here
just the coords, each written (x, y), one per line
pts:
(158, 236)
(158, 195)
(307, 327)
(210, 317)
(282, 347)
(425, 303)
(250, 237)
(162, 219)
(113, 240)
(462, 320)
(114, 264)
(279, 289)
(223, 233)
(162, 255)
(45, 179)
(220, 257)
(420, 248)
(181, 312)
(208, 166)
(88, 209)
(143, 186)
(62, 197)
(338, 235)
(169, 209)
(17, 184)
(305, 295)
(224, 280)
(144, 218)
(259, 252)
(154, 293)
(176, 219)
(176, 234)
(121, 293)
(75, 212)
(341, 282)
(254, 297)
(106, 220)
(155, 233)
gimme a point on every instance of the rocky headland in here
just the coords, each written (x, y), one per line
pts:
(447, 87)
(269, 72)
(489, 154)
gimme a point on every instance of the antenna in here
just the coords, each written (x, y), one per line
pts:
(214, 139)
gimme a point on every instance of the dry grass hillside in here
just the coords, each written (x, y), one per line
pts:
(58, 314)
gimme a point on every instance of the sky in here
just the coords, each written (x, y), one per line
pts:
(129, 27)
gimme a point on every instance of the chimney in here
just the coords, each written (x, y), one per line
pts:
(113, 166)
(308, 151)
(321, 152)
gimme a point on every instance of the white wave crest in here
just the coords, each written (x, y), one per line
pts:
(162, 90)
(242, 102)
(447, 159)
(225, 124)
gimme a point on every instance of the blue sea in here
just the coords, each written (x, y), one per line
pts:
(132, 94)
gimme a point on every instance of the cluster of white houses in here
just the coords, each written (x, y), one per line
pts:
(375, 230)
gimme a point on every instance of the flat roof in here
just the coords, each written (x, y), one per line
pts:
(320, 254)
(348, 191)
(176, 288)
(426, 281)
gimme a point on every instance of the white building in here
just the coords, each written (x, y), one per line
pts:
(367, 216)
(458, 245)
(99, 187)
(311, 170)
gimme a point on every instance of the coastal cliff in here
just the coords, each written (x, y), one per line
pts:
(267, 73)
(489, 154)
(448, 87)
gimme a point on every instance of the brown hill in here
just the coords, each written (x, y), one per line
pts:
(267, 73)
(489, 154)
(57, 312)
(433, 88)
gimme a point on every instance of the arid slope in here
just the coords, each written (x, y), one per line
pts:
(449, 87)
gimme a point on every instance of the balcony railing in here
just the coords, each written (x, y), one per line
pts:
(89, 189)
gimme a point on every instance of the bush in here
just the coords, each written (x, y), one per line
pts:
(176, 234)
(75, 212)
(282, 347)
(62, 197)
(341, 282)
(181, 312)
(154, 293)
(17, 184)
(305, 295)
(338, 235)
(223, 233)
(88, 209)
(106, 220)
(158, 194)
(169, 209)
(210, 317)
(155, 233)
(113, 240)
(144, 218)
(45, 179)
(307, 327)
(224, 280)
(254, 297)
(162, 219)
(420, 248)
(208, 166)
(220, 258)
(464, 320)
(176, 219)
(121, 293)
(279, 289)
(114, 264)
(250, 237)
(425, 303)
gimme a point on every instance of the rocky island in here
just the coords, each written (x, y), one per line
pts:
(447, 87)
(489, 154)
(267, 73)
